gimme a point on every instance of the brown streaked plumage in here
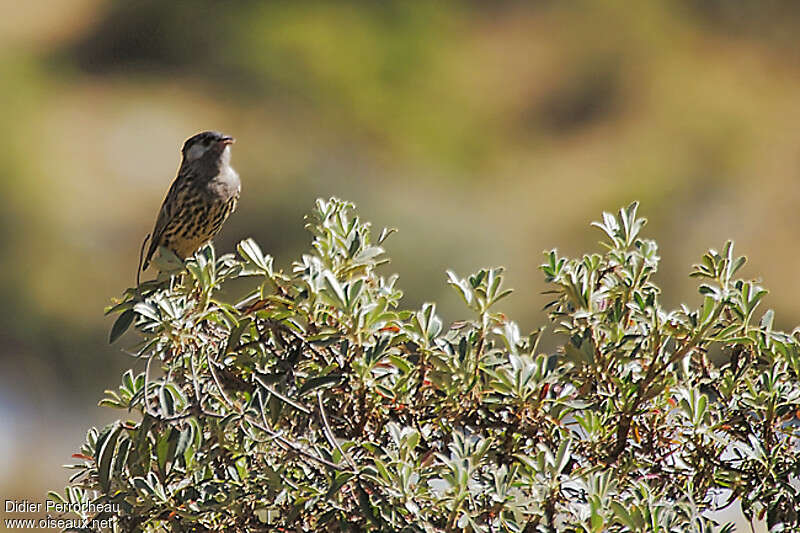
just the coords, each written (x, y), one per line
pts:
(200, 199)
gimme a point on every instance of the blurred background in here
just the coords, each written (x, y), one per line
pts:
(486, 132)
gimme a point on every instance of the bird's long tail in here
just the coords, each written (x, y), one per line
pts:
(141, 256)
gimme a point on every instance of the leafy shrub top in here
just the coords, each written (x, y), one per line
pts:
(316, 402)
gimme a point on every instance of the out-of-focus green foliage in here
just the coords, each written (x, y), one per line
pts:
(317, 402)
(365, 100)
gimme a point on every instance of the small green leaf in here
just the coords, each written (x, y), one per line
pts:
(105, 455)
(250, 251)
(319, 382)
(339, 481)
(166, 446)
(121, 325)
(166, 401)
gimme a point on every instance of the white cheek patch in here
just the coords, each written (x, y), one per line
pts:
(226, 155)
(196, 151)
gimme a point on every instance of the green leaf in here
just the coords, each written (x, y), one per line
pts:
(366, 506)
(767, 319)
(147, 310)
(334, 290)
(708, 306)
(185, 440)
(122, 306)
(233, 338)
(624, 516)
(105, 456)
(166, 445)
(250, 251)
(319, 382)
(562, 457)
(401, 364)
(121, 325)
(56, 497)
(166, 401)
(339, 480)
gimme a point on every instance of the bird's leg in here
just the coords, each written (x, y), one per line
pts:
(176, 280)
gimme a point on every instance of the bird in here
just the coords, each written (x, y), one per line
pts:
(202, 196)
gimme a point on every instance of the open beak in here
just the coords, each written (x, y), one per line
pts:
(227, 140)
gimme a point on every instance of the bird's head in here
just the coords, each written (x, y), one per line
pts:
(207, 145)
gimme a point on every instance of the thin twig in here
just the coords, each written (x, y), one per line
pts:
(195, 383)
(261, 408)
(292, 445)
(228, 401)
(329, 432)
(282, 397)
(297, 448)
(309, 344)
(146, 387)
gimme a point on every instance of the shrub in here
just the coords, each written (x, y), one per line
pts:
(316, 402)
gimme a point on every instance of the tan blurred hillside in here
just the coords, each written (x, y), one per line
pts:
(485, 132)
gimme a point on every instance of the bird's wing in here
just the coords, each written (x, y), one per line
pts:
(169, 208)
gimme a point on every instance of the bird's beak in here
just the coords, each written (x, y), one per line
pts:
(227, 140)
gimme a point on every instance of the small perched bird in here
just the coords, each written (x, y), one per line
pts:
(201, 197)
